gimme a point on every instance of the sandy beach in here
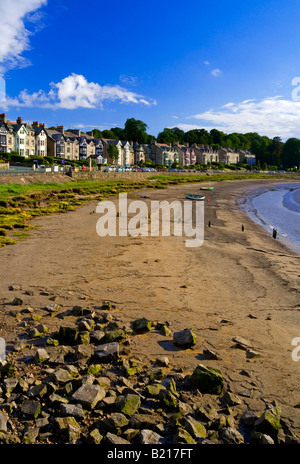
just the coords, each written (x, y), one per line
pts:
(240, 283)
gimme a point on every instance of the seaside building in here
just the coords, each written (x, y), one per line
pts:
(35, 140)
(162, 153)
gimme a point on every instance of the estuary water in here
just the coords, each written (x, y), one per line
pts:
(277, 207)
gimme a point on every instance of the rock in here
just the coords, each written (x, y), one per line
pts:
(269, 422)
(242, 343)
(2, 349)
(41, 355)
(231, 399)
(68, 427)
(206, 413)
(261, 439)
(184, 408)
(115, 335)
(207, 380)
(30, 435)
(67, 335)
(141, 325)
(231, 436)
(3, 422)
(89, 395)
(144, 421)
(148, 437)
(52, 309)
(115, 422)
(248, 418)
(61, 376)
(183, 437)
(163, 361)
(31, 408)
(194, 427)
(84, 352)
(74, 410)
(17, 301)
(107, 352)
(185, 338)
(130, 404)
(57, 355)
(168, 399)
(253, 354)
(94, 437)
(37, 390)
(209, 354)
(10, 385)
(14, 288)
(153, 389)
(97, 335)
(113, 439)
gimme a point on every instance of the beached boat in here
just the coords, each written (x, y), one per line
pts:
(194, 197)
(206, 188)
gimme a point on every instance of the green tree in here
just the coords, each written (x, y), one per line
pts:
(119, 133)
(135, 130)
(108, 134)
(97, 134)
(113, 152)
(291, 153)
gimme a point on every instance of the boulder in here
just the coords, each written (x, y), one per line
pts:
(185, 338)
(207, 380)
(269, 422)
(107, 352)
(141, 325)
(130, 404)
(89, 395)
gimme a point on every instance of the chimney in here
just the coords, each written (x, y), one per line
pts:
(61, 129)
(35, 124)
(42, 125)
(3, 117)
(77, 132)
(19, 120)
(91, 133)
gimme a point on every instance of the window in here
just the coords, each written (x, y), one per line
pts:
(9, 140)
(21, 141)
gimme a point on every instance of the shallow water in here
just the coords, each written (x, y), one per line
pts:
(277, 207)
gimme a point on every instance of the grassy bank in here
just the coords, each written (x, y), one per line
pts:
(19, 204)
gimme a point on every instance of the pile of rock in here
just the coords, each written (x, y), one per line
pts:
(81, 384)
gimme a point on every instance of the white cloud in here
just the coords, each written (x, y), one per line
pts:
(216, 72)
(14, 35)
(74, 92)
(207, 63)
(272, 116)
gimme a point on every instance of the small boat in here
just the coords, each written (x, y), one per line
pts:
(194, 197)
(206, 188)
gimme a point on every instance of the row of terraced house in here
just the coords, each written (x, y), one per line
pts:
(36, 140)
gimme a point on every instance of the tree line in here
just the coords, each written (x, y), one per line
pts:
(269, 151)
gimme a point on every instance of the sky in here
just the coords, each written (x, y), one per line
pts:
(229, 65)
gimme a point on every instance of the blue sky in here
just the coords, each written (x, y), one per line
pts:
(229, 65)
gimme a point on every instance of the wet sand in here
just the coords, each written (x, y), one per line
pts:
(238, 283)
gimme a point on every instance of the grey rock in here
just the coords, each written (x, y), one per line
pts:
(3, 422)
(148, 437)
(2, 349)
(74, 410)
(113, 439)
(184, 338)
(231, 436)
(89, 395)
(107, 352)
